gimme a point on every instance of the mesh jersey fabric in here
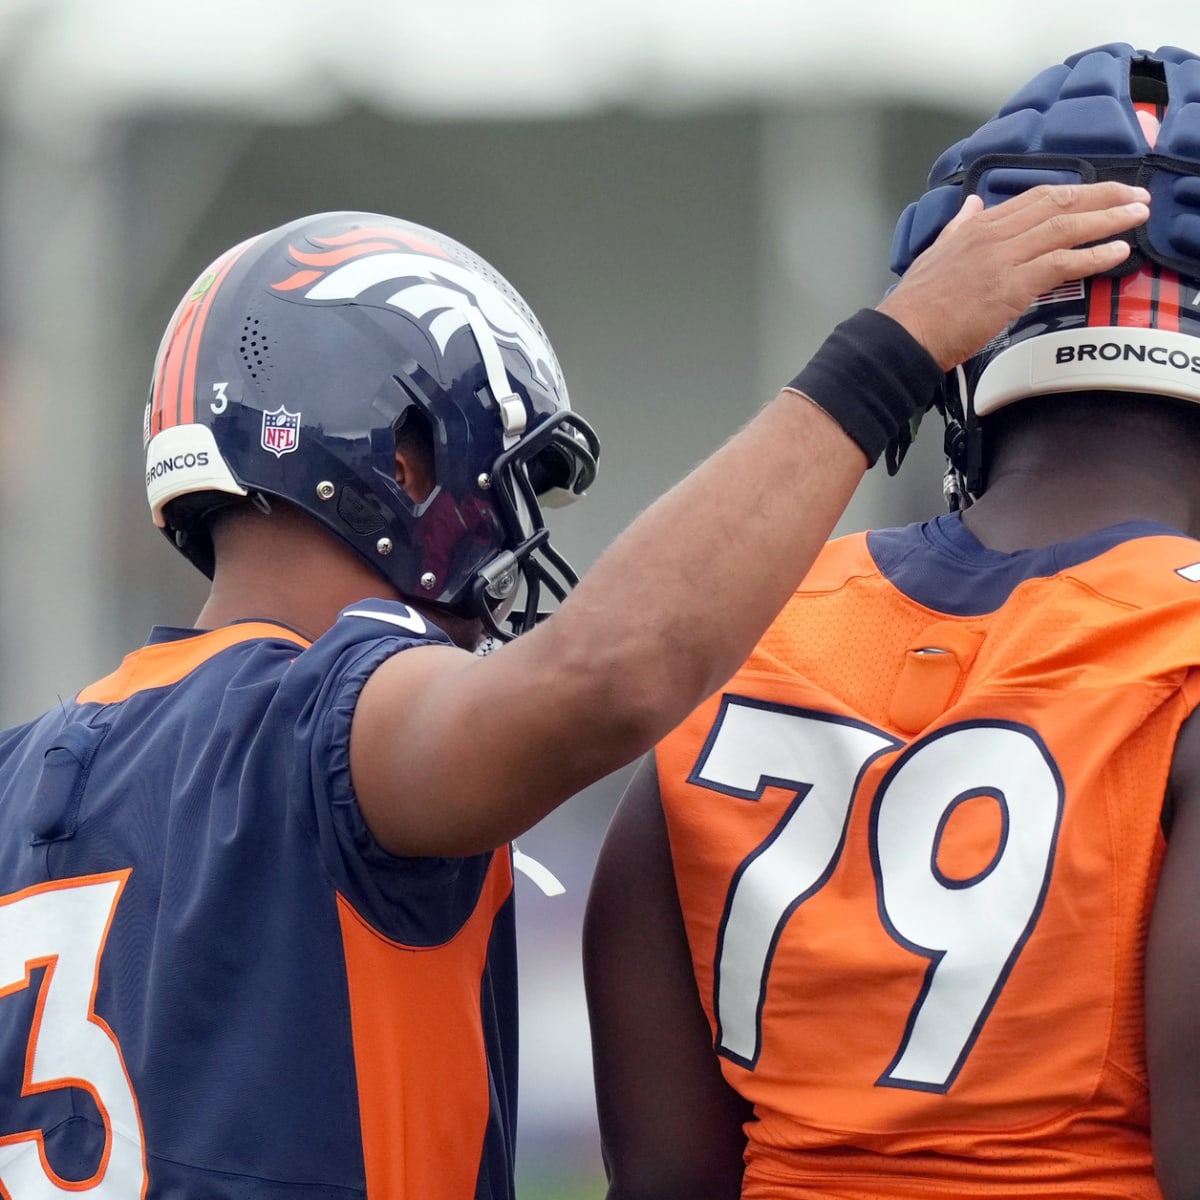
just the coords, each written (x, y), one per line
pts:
(277, 1007)
(916, 841)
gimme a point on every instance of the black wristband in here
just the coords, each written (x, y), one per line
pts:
(871, 375)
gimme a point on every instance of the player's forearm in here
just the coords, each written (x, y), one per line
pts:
(662, 619)
(697, 578)
(672, 608)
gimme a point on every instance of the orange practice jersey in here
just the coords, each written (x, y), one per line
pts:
(916, 841)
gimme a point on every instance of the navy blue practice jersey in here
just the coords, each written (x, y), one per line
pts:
(213, 981)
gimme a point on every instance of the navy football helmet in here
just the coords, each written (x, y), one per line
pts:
(291, 364)
(1107, 113)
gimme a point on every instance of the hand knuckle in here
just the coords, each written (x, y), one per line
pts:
(1060, 260)
(1061, 226)
(1061, 195)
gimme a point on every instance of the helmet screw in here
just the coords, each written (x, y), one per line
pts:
(429, 581)
(484, 482)
(325, 490)
(384, 545)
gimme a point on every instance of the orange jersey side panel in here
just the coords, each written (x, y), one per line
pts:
(418, 1033)
(916, 855)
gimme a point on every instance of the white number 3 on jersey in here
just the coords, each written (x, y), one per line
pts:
(62, 926)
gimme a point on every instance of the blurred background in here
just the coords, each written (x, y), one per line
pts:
(689, 194)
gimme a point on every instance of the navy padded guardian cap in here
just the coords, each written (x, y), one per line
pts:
(1110, 113)
(1073, 123)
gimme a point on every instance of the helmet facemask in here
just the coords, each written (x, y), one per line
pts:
(553, 465)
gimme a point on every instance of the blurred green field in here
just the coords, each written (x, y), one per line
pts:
(565, 1192)
(567, 1188)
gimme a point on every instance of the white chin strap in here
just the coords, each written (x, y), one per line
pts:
(1105, 358)
(512, 407)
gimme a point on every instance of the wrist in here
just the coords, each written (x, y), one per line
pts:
(871, 376)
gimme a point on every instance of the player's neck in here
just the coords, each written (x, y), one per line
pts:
(283, 568)
(1044, 490)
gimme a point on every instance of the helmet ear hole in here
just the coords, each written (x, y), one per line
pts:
(416, 461)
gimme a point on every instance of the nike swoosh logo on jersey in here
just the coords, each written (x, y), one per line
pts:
(408, 619)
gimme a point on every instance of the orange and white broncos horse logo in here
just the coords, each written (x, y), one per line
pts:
(432, 287)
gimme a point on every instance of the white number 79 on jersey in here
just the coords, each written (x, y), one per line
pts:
(971, 930)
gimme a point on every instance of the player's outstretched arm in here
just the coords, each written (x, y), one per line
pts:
(1173, 982)
(670, 1125)
(452, 753)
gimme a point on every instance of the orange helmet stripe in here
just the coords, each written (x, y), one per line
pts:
(1168, 300)
(1100, 301)
(175, 389)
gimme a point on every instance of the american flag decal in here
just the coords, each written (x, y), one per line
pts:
(280, 431)
(1073, 290)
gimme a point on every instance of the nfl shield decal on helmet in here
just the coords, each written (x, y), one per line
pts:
(280, 431)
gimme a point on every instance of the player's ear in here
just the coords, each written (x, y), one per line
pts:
(413, 473)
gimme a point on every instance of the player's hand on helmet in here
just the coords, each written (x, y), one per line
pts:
(988, 265)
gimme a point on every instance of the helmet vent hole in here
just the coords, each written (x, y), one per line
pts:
(1148, 82)
(255, 349)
